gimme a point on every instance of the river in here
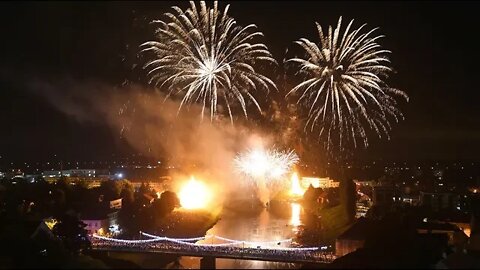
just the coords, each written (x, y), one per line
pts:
(267, 225)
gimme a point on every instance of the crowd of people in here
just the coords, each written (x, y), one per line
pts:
(219, 250)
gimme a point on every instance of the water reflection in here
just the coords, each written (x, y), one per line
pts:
(295, 218)
(268, 225)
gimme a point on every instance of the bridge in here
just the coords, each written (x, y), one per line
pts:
(231, 249)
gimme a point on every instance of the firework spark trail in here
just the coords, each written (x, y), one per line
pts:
(343, 88)
(204, 56)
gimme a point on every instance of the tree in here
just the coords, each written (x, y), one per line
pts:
(71, 231)
(63, 183)
(144, 189)
(127, 192)
(111, 189)
(59, 198)
(168, 201)
(128, 215)
(348, 200)
(83, 184)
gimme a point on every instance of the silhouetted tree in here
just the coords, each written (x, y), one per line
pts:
(348, 197)
(167, 202)
(111, 189)
(59, 198)
(63, 183)
(71, 231)
(127, 192)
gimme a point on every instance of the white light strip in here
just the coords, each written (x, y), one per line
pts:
(295, 249)
(228, 240)
(179, 239)
(269, 242)
(204, 245)
(159, 239)
(221, 238)
(127, 241)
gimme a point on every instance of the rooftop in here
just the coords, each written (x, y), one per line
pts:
(359, 230)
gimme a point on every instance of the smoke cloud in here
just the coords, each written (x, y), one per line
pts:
(155, 127)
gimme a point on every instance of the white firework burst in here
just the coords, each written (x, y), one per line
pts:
(204, 56)
(344, 87)
(270, 165)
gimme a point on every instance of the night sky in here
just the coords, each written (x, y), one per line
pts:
(435, 56)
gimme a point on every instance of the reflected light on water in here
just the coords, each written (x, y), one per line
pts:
(295, 218)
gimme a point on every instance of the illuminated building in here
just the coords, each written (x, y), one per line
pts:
(71, 173)
(92, 176)
(45, 227)
(102, 219)
(362, 209)
(116, 204)
(318, 182)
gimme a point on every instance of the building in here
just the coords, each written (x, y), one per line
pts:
(353, 238)
(362, 208)
(366, 183)
(103, 218)
(410, 199)
(439, 201)
(44, 229)
(319, 182)
(71, 173)
(459, 260)
(101, 222)
(93, 177)
(116, 204)
(383, 195)
(450, 230)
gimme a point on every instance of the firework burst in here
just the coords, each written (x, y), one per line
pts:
(204, 56)
(270, 165)
(344, 89)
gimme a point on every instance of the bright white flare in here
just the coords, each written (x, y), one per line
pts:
(194, 195)
(266, 164)
(203, 56)
(343, 87)
(296, 189)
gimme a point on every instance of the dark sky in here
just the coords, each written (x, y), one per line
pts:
(435, 55)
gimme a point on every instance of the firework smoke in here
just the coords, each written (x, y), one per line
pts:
(150, 125)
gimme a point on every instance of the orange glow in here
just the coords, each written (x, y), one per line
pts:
(295, 218)
(194, 194)
(296, 189)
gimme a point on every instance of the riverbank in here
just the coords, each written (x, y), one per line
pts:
(186, 223)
